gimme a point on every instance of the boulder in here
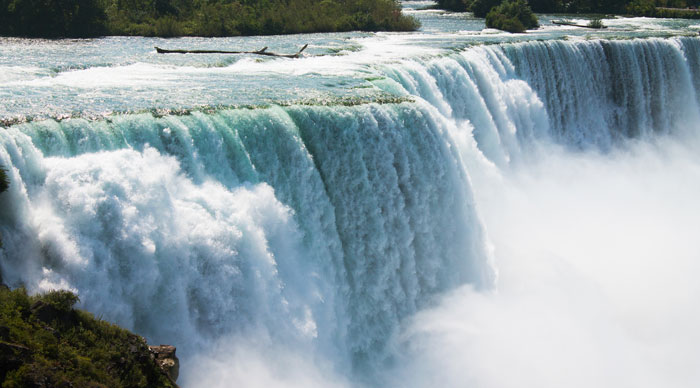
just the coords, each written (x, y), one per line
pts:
(167, 360)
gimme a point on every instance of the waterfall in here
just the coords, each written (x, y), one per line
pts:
(319, 226)
(312, 223)
(581, 93)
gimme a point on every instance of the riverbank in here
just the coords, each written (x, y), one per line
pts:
(648, 8)
(170, 18)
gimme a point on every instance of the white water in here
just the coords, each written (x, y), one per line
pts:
(344, 246)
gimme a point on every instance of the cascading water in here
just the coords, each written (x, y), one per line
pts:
(580, 94)
(320, 229)
(309, 222)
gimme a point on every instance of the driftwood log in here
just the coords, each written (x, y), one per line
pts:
(572, 24)
(262, 51)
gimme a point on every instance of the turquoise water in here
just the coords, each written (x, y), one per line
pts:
(450, 207)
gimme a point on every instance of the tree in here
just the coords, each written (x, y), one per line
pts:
(641, 7)
(454, 5)
(512, 16)
(482, 7)
(546, 6)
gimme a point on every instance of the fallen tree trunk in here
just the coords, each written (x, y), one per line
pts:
(262, 51)
(572, 24)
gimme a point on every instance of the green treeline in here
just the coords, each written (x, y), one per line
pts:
(89, 18)
(635, 7)
(518, 16)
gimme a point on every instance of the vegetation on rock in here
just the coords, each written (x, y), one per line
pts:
(512, 16)
(596, 23)
(88, 18)
(44, 342)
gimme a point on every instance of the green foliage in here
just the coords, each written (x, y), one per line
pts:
(663, 9)
(85, 353)
(595, 6)
(52, 18)
(62, 300)
(641, 7)
(81, 18)
(654, 8)
(482, 7)
(674, 13)
(546, 6)
(596, 23)
(512, 16)
(455, 5)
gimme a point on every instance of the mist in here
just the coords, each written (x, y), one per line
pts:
(597, 256)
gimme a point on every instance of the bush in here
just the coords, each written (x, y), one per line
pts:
(596, 23)
(482, 7)
(512, 16)
(62, 300)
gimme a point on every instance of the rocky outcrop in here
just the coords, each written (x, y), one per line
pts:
(167, 360)
(45, 342)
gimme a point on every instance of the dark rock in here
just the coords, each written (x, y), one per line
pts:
(167, 360)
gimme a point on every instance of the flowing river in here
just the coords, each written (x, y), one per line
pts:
(454, 207)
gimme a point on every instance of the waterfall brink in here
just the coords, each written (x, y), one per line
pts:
(317, 227)
(581, 94)
(313, 224)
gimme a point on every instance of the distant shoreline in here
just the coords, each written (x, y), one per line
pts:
(215, 18)
(631, 8)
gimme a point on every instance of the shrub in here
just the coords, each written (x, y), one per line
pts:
(482, 7)
(512, 16)
(596, 23)
(62, 300)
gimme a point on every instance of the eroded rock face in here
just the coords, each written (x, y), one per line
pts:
(166, 360)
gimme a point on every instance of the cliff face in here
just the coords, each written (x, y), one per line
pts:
(44, 342)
